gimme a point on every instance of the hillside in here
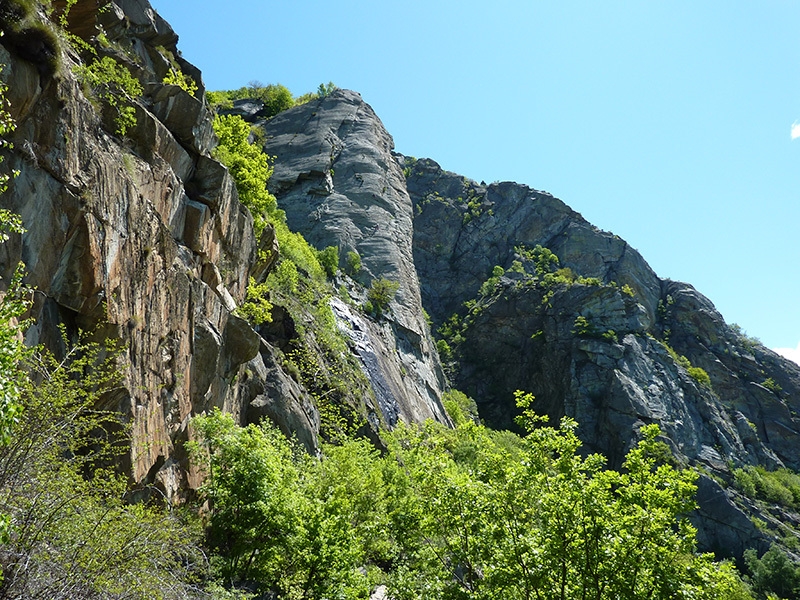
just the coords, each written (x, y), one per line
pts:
(135, 232)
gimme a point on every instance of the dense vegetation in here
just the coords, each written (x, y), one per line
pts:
(276, 97)
(452, 513)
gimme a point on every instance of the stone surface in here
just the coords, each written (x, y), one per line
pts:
(115, 240)
(616, 374)
(340, 185)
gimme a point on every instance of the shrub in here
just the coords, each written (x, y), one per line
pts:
(182, 80)
(256, 307)
(72, 533)
(329, 259)
(353, 263)
(770, 384)
(700, 376)
(249, 166)
(380, 293)
(460, 407)
(773, 573)
(219, 100)
(326, 89)
(113, 84)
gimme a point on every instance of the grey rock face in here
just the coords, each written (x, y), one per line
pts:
(340, 185)
(596, 350)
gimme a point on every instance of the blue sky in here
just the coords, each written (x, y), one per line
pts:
(669, 124)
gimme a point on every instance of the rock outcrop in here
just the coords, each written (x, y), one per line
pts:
(340, 185)
(142, 236)
(598, 337)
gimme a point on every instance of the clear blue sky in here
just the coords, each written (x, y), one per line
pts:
(667, 123)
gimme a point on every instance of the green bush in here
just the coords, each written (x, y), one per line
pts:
(256, 308)
(380, 294)
(353, 263)
(780, 487)
(488, 287)
(329, 259)
(700, 376)
(249, 166)
(177, 77)
(113, 84)
(773, 573)
(460, 407)
(72, 534)
(447, 513)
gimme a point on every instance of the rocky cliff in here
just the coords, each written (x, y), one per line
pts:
(141, 237)
(597, 336)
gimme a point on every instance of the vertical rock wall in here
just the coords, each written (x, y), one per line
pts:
(141, 235)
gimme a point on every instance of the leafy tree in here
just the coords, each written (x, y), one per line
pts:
(537, 520)
(329, 259)
(278, 521)
(456, 514)
(72, 533)
(326, 89)
(353, 263)
(112, 83)
(773, 573)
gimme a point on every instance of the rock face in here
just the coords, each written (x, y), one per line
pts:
(340, 185)
(143, 236)
(598, 337)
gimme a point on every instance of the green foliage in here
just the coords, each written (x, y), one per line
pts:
(256, 307)
(326, 89)
(455, 514)
(700, 376)
(697, 373)
(276, 97)
(543, 259)
(353, 263)
(770, 384)
(72, 535)
(112, 83)
(490, 285)
(177, 77)
(218, 100)
(7, 126)
(444, 349)
(250, 168)
(582, 326)
(295, 248)
(285, 278)
(297, 283)
(381, 292)
(13, 303)
(278, 519)
(329, 260)
(773, 573)
(779, 487)
(460, 407)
